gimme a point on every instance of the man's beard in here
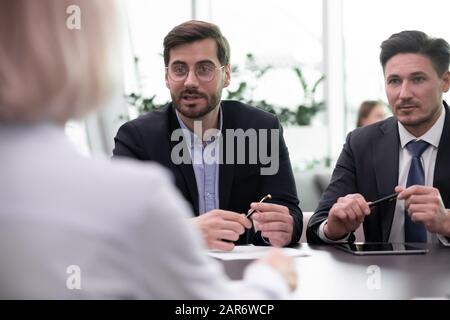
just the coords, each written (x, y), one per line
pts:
(194, 112)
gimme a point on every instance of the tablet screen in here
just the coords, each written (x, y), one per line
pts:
(380, 248)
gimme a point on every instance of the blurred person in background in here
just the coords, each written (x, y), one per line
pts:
(73, 227)
(370, 111)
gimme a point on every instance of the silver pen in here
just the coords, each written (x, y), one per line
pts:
(262, 200)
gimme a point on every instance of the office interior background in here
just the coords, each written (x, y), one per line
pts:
(270, 39)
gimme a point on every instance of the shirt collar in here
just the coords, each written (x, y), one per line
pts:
(432, 136)
(194, 138)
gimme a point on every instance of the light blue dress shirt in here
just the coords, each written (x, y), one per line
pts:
(205, 162)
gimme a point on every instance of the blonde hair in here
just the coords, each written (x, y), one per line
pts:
(48, 71)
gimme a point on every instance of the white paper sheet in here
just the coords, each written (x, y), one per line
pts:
(251, 252)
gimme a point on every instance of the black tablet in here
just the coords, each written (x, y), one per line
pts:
(374, 248)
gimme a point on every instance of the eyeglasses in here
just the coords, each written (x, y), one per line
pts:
(205, 71)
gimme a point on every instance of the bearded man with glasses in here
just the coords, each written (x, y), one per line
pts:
(195, 136)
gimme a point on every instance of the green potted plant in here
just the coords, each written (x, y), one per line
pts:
(300, 115)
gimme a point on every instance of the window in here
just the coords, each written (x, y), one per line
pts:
(147, 24)
(366, 25)
(283, 34)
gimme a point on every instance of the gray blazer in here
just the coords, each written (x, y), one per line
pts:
(69, 222)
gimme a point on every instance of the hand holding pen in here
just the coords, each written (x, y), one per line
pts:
(220, 228)
(383, 200)
(249, 214)
(348, 213)
(273, 220)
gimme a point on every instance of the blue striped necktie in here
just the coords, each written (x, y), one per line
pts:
(415, 232)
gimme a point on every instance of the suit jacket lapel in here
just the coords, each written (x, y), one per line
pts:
(226, 171)
(386, 158)
(441, 171)
(186, 169)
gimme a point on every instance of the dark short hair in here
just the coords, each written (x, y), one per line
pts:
(436, 49)
(195, 30)
(365, 109)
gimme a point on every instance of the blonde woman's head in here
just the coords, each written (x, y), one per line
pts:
(51, 70)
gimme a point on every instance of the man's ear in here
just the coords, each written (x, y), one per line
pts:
(227, 80)
(166, 77)
(446, 81)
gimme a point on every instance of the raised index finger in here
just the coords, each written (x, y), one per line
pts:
(259, 206)
(233, 216)
(416, 189)
(271, 216)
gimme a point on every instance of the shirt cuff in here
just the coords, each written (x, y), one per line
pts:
(324, 238)
(444, 240)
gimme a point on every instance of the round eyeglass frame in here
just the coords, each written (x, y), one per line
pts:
(199, 78)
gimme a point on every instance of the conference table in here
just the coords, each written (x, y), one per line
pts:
(325, 272)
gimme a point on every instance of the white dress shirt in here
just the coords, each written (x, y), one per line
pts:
(122, 223)
(428, 158)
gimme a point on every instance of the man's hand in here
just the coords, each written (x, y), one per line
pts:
(220, 227)
(424, 205)
(345, 216)
(274, 222)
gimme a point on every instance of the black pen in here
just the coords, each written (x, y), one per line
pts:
(384, 199)
(262, 200)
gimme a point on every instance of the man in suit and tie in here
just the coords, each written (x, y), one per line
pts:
(408, 154)
(224, 155)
